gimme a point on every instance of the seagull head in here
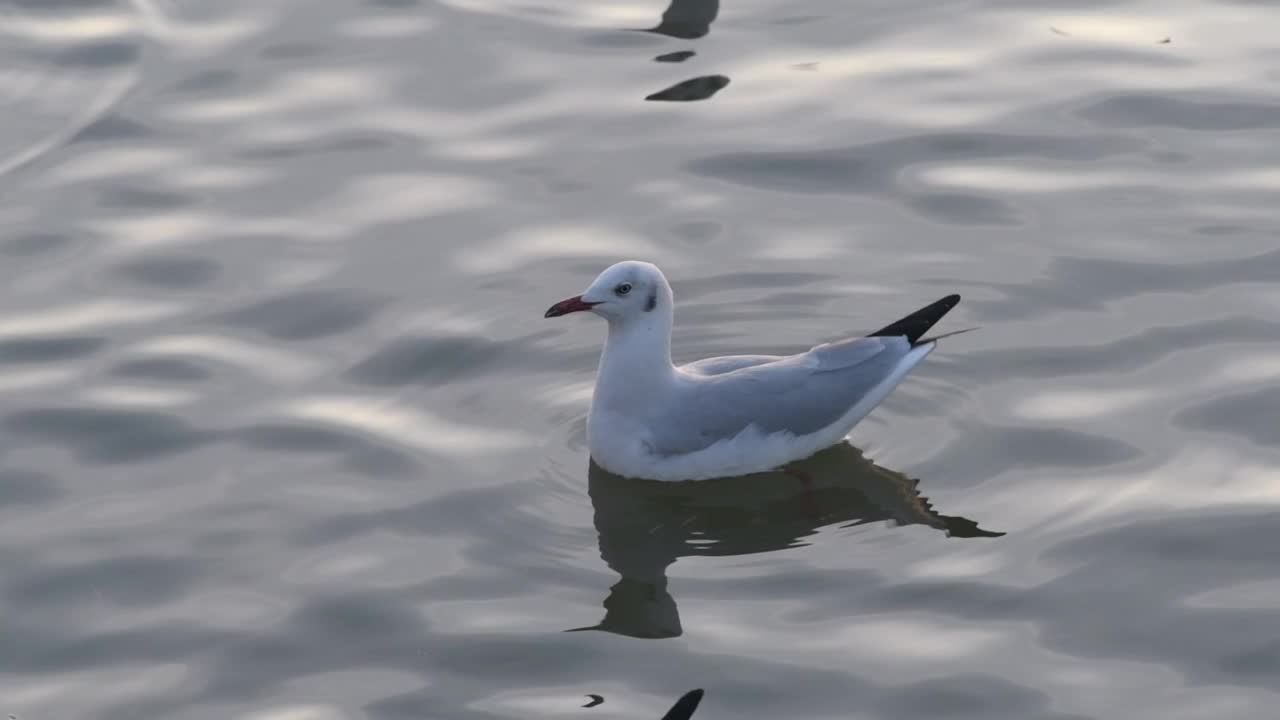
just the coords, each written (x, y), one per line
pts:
(626, 290)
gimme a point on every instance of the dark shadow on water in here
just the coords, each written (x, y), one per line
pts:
(127, 198)
(1216, 114)
(306, 314)
(1253, 416)
(173, 272)
(358, 453)
(26, 487)
(111, 128)
(207, 81)
(441, 358)
(699, 88)
(43, 350)
(93, 55)
(687, 19)
(124, 581)
(675, 57)
(36, 244)
(644, 526)
(162, 370)
(98, 436)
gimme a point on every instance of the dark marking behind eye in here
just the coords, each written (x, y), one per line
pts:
(652, 302)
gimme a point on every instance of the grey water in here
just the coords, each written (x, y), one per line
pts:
(284, 436)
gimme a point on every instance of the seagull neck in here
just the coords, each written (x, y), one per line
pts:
(638, 353)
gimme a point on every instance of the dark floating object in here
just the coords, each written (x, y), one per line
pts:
(1165, 41)
(699, 88)
(684, 707)
(1056, 31)
(595, 700)
(686, 19)
(674, 57)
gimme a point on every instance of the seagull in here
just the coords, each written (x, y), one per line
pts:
(732, 415)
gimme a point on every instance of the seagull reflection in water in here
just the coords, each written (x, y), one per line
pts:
(686, 19)
(645, 525)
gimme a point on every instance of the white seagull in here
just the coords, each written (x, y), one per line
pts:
(732, 415)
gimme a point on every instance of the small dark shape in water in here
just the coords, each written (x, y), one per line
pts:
(1165, 41)
(1056, 31)
(687, 19)
(595, 700)
(674, 57)
(684, 707)
(699, 88)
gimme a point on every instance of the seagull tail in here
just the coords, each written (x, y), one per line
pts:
(684, 707)
(915, 325)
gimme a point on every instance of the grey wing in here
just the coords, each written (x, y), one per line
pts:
(799, 394)
(727, 363)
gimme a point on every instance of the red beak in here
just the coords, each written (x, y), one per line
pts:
(573, 304)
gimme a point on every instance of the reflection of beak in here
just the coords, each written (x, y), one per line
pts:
(569, 305)
(581, 629)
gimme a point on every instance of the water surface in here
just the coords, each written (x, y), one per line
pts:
(284, 434)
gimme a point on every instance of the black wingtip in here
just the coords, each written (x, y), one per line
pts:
(915, 325)
(684, 707)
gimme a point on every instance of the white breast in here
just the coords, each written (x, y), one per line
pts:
(619, 443)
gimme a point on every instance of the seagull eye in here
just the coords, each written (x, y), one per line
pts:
(623, 289)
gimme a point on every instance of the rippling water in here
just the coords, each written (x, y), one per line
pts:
(285, 437)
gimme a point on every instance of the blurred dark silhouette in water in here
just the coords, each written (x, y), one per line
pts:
(699, 88)
(645, 525)
(675, 57)
(686, 19)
